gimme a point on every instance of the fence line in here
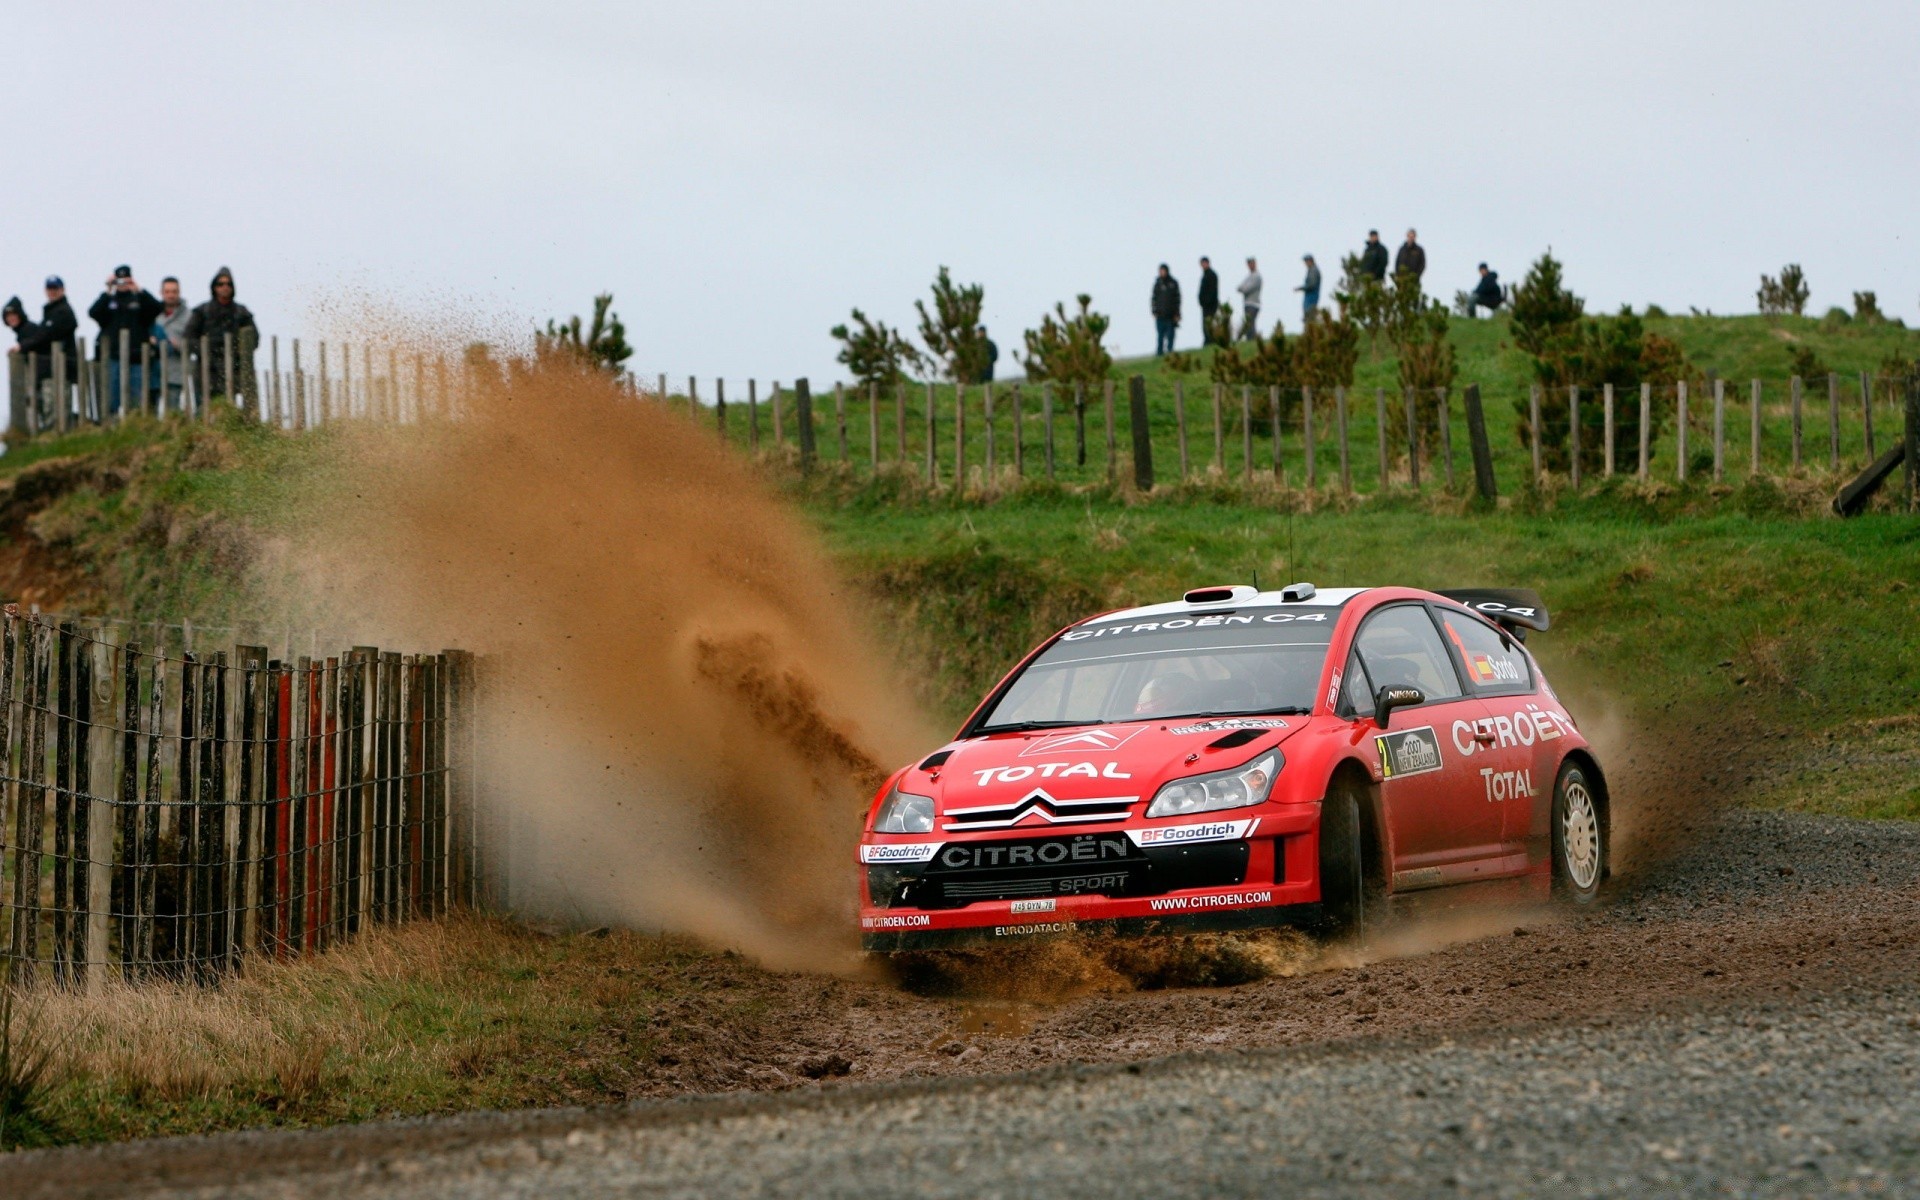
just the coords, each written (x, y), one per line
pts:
(991, 433)
(177, 817)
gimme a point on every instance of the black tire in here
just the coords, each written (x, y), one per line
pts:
(1579, 836)
(1346, 900)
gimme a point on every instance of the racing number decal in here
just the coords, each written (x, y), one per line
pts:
(1408, 752)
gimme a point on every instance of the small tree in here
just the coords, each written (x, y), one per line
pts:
(1326, 352)
(1427, 364)
(1787, 294)
(1545, 314)
(1362, 300)
(1219, 326)
(876, 354)
(1866, 308)
(952, 331)
(1805, 362)
(1069, 349)
(602, 347)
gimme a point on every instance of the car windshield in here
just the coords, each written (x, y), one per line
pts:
(1217, 664)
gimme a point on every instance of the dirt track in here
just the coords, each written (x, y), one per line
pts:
(1776, 940)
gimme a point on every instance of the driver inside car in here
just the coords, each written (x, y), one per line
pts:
(1167, 695)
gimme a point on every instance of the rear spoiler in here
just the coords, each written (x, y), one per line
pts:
(1510, 608)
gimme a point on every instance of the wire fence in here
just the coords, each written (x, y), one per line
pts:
(177, 817)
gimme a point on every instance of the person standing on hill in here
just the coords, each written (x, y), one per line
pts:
(206, 332)
(124, 307)
(1373, 257)
(56, 329)
(1209, 299)
(39, 389)
(1166, 310)
(1309, 288)
(170, 328)
(1411, 258)
(1486, 293)
(1249, 290)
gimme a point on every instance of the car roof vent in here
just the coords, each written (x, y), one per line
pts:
(1294, 593)
(1224, 594)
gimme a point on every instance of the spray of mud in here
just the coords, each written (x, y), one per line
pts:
(681, 720)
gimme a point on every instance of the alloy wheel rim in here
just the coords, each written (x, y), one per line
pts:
(1580, 835)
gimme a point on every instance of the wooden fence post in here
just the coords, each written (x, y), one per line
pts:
(1606, 404)
(1340, 421)
(1046, 423)
(1080, 423)
(753, 416)
(1180, 423)
(1142, 435)
(1246, 434)
(1866, 412)
(101, 795)
(1279, 443)
(1680, 423)
(1533, 404)
(779, 420)
(324, 409)
(933, 451)
(1719, 429)
(1646, 428)
(1019, 432)
(1482, 451)
(1219, 434)
(1113, 462)
(123, 384)
(720, 408)
(1443, 402)
(1573, 436)
(61, 394)
(148, 385)
(1833, 421)
(803, 414)
(900, 422)
(840, 419)
(873, 429)
(1753, 453)
(1307, 439)
(989, 459)
(1380, 422)
(1912, 445)
(959, 438)
(1793, 385)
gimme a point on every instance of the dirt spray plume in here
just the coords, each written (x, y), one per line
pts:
(681, 720)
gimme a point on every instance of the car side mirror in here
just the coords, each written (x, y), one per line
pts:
(1389, 698)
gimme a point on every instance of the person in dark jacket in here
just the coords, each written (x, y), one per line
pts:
(1486, 293)
(1209, 299)
(207, 329)
(1309, 288)
(988, 360)
(1373, 257)
(125, 307)
(1411, 259)
(1166, 310)
(55, 331)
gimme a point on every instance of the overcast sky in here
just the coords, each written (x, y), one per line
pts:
(741, 175)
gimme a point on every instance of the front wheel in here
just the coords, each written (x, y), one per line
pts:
(1579, 837)
(1344, 898)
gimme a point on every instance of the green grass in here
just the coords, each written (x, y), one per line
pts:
(1738, 349)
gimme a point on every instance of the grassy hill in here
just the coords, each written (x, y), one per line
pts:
(1738, 349)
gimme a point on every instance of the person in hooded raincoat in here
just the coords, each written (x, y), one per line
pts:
(207, 331)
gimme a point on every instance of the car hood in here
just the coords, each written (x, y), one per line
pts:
(1090, 773)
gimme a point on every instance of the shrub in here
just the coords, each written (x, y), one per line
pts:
(1836, 317)
(1362, 300)
(1803, 361)
(1896, 370)
(603, 346)
(876, 354)
(1655, 311)
(1219, 327)
(1866, 308)
(1787, 294)
(1069, 349)
(952, 331)
(1269, 365)
(1326, 352)
(1183, 362)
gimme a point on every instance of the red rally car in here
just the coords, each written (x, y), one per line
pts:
(1242, 758)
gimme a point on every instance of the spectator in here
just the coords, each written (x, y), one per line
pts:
(1250, 302)
(40, 387)
(1209, 300)
(1166, 310)
(1373, 258)
(1486, 293)
(206, 333)
(170, 329)
(1411, 259)
(124, 307)
(990, 358)
(1309, 288)
(56, 330)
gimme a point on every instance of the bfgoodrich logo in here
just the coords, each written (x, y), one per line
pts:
(1408, 752)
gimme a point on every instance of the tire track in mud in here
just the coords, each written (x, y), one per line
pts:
(1768, 912)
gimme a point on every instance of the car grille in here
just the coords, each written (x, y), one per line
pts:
(1088, 864)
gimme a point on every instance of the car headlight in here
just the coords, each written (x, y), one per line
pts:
(904, 812)
(1238, 788)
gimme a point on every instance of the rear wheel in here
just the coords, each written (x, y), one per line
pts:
(1345, 899)
(1579, 837)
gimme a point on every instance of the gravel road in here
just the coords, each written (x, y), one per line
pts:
(1744, 1020)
